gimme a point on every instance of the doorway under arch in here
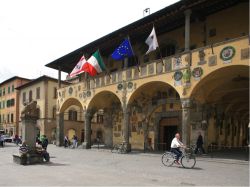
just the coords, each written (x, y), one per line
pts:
(153, 105)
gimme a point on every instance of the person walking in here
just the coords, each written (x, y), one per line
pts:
(1, 141)
(199, 144)
(75, 141)
(66, 141)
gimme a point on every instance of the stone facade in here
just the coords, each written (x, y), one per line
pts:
(195, 89)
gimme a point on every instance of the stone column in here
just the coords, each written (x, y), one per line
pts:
(108, 128)
(126, 123)
(145, 132)
(125, 63)
(87, 130)
(60, 129)
(59, 77)
(185, 129)
(29, 131)
(187, 29)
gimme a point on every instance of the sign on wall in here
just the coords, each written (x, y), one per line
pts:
(227, 53)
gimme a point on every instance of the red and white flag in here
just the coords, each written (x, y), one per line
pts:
(79, 67)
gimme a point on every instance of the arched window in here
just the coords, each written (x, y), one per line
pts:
(38, 113)
(30, 95)
(54, 112)
(72, 115)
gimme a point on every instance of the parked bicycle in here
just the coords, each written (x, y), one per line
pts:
(119, 148)
(188, 160)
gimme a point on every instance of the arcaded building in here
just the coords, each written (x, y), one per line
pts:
(201, 84)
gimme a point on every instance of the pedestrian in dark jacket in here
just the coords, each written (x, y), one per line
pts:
(45, 142)
(199, 144)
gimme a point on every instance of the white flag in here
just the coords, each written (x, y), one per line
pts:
(152, 41)
(79, 67)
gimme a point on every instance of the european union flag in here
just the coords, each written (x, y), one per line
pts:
(124, 50)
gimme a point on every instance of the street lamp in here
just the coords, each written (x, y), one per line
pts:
(146, 12)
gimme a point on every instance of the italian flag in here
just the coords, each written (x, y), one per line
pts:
(94, 64)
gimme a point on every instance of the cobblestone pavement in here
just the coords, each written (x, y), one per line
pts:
(73, 167)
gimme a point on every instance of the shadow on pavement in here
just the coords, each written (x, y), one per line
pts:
(54, 164)
(180, 167)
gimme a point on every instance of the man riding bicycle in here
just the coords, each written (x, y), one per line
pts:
(175, 147)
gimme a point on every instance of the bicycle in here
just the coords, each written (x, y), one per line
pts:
(188, 160)
(119, 148)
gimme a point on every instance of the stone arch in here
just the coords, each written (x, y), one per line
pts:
(148, 85)
(69, 102)
(110, 106)
(63, 124)
(223, 72)
(149, 104)
(103, 99)
(226, 92)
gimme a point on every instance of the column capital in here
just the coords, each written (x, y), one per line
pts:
(89, 113)
(186, 103)
(188, 12)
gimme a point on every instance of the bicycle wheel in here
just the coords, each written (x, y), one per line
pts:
(168, 159)
(114, 149)
(188, 161)
(123, 150)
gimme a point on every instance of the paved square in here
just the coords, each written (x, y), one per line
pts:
(72, 167)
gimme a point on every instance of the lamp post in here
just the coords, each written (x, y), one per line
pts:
(146, 12)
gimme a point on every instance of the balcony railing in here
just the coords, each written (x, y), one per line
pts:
(169, 64)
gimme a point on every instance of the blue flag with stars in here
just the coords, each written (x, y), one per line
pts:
(124, 50)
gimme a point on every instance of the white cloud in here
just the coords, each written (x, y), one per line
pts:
(34, 33)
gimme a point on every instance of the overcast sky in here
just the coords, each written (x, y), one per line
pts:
(36, 32)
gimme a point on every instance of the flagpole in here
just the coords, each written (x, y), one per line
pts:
(160, 55)
(159, 49)
(134, 55)
(105, 66)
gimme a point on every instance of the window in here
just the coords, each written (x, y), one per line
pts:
(13, 88)
(8, 89)
(133, 61)
(30, 95)
(72, 115)
(8, 118)
(12, 118)
(3, 104)
(12, 102)
(38, 93)
(38, 113)
(3, 91)
(212, 32)
(146, 59)
(192, 47)
(0, 92)
(8, 103)
(54, 112)
(24, 97)
(99, 118)
(168, 50)
(55, 93)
